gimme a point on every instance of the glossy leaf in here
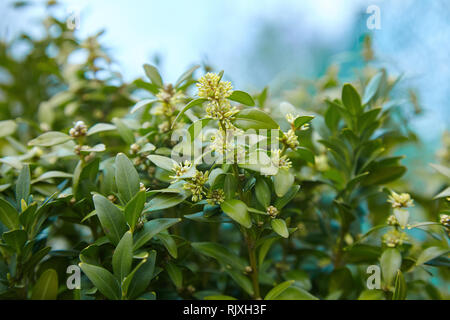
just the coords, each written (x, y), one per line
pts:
(254, 119)
(127, 178)
(242, 97)
(46, 288)
(123, 256)
(151, 229)
(111, 218)
(237, 210)
(105, 282)
(50, 139)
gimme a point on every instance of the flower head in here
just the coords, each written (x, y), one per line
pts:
(290, 118)
(272, 211)
(196, 185)
(402, 200)
(280, 161)
(394, 238)
(290, 139)
(216, 196)
(180, 169)
(211, 87)
(392, 221)
(78, 130)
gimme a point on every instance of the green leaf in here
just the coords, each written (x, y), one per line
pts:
(300, 121)
(288, 196)
(8, 215)
(390, 262)
(219, 297)
(237, 210)
(100, 127)
(139, 105)
(49, 139)
(262, 192)
(279, 226)
(51, 175)
(134, 208)
(221, 253)
(242, 281)
(84, 178)
(105, 282)
(142, 277)
(279, 289)
(430, 254)
(230, 186)
(153, 74)
(305, 154)
(444, 194)
(23, 185)
(351, 99)
(196, 128)
(300, 277)
(371, 294)
(111, 218)
(125, 133)
(283, 181)
(164, 201)
(186, 75)
(15, 239)
(129, 278)
(123, 256)
(127, 178)
(175, 275)
(295, 293)
(242, 97)
(201, 217)
(254, 119)
(372, 87)
(168, 243)
(191, 104)
(151, 229)
(46, 288)
(7, 128)
(441, 169)
(400, 287)
(162, 162)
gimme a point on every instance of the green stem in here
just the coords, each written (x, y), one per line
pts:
(253, 265)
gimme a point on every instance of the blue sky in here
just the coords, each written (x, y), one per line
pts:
(413, 40)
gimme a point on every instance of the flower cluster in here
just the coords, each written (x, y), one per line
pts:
(290, 139)
(169, 99)
(392, 221)
(78, 130)
(272, 211)
(216, 196)
(180, 170)
(402, 200)
(216, 91)
(212, 88)
(394, 238)
(280, 161)
(196, 185)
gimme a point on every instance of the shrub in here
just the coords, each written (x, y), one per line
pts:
(202, 191)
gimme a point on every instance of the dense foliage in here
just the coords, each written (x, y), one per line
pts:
(159, 198)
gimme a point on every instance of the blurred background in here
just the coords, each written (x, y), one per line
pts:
(273, 43)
